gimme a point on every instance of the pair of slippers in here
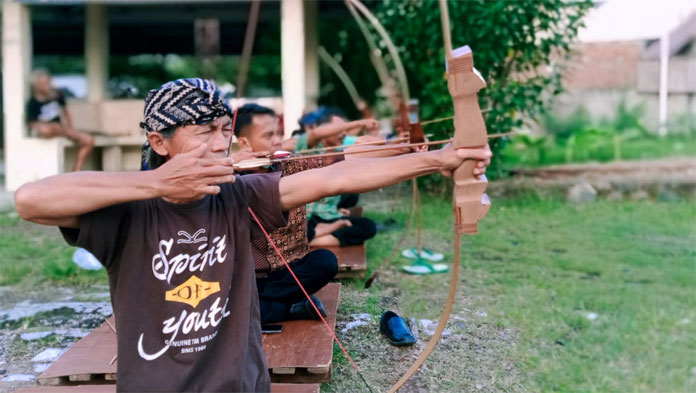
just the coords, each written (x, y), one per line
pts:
(396, 329)
(421, 264)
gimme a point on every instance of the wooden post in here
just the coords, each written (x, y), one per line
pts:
(311, 15)
(97, 51)
(22, 160)
(293, 62)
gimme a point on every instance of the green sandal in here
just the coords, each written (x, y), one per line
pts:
(421, 267)
(412, 253)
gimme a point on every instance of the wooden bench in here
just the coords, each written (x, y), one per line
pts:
(303, 351)
(88, 360)
(111, 388)
(356, 211)
(352, 261)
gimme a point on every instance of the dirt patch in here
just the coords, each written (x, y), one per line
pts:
(476, 355)
(37, 321)
(664, 179)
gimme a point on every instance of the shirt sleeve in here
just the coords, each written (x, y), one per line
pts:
(61, 99)
(290, 167)
(101, 232)
(262, 193)
(32, 110)
(302, 142)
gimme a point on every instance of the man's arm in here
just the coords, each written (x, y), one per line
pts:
(366, 174)
(329, 129)
(60, 200)
(376, 151)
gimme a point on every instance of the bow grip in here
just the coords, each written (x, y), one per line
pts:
(470, 203)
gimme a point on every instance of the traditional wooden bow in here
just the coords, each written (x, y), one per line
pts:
(470, 203)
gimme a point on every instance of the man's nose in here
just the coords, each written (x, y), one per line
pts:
(276, 141)
(219, 142)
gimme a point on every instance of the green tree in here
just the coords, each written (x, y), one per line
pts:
(517, 47)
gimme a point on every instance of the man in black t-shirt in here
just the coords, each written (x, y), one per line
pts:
(48, 116)
(176, 240)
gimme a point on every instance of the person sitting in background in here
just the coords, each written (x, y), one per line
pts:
(280, 298)
(48, 116)
(329, 220)
(317, 128)
(329, 226)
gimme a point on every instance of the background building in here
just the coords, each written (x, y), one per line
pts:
(103, 36)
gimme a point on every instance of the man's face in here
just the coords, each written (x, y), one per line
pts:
(261, 134)
(42, 84)
(216, 134)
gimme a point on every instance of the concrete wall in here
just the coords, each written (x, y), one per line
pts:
(603, 103)
(600, 75)
(681, 76)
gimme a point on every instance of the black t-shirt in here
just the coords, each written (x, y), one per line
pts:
(183, 287)
(45, 111)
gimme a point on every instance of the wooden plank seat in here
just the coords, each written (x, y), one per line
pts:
(356, 211)
(111, 388)
(88, 360)
(303, 351)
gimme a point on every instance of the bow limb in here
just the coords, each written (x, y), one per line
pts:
(342, 75)
(375, 54)
(393, 50)
(470, 203)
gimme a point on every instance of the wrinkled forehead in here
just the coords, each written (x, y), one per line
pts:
(217, 122)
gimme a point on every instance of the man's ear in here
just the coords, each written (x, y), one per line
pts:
(157, 143)
(244, 144)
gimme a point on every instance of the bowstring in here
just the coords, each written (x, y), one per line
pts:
(287, 265)
(297, 280)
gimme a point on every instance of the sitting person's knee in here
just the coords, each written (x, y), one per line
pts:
(326, 262)
(369, 227)
(43, 130)
(87, 140)
(332, 267)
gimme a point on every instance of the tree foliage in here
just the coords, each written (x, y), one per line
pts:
(517, 47)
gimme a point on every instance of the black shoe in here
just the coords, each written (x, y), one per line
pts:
(387, 225)
(304, 309)
(396, 329)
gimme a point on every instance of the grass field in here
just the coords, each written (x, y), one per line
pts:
(600, 297)
(516, 155)
(553, 297)
(33, 255)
